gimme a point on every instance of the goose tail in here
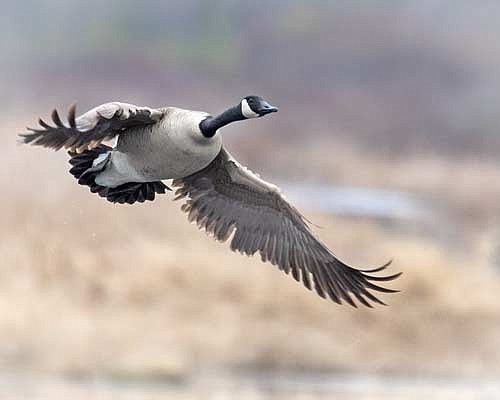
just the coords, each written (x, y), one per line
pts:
(89, 163)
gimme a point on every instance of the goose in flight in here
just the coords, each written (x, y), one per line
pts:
(220, 195)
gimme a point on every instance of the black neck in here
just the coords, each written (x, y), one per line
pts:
(210, 125)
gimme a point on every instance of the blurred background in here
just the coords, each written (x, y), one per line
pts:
(387, 137)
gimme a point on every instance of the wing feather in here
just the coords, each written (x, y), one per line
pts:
(90, 129)
(227, 199)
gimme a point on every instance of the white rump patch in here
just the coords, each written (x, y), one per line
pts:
(100, 160)
(247, 111)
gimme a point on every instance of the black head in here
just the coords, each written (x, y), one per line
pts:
(256, 106)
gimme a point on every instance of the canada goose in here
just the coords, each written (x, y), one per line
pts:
(222, 197)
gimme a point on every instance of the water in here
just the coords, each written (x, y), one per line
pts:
(359, 201)
(250, 385)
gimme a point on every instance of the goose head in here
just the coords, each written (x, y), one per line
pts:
(256, 106)
(249, 107)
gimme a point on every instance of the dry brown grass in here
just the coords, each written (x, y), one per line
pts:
(91, 288)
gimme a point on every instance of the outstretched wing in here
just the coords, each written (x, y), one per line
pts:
(90, 129)
(226, 197)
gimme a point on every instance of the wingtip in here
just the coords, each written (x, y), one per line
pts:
(386, 278)
(377, 269)
(368, 282)
(72, 115)
(27, 138)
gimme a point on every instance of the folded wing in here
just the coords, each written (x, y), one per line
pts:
(90, 129)
(227, 198)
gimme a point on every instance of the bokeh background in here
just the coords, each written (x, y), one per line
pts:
(387, 137)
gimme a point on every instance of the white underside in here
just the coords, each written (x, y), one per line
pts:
(118, 172)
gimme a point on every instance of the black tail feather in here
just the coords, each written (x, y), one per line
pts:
(127, 193)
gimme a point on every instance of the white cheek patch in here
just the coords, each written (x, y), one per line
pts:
(247, 111)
